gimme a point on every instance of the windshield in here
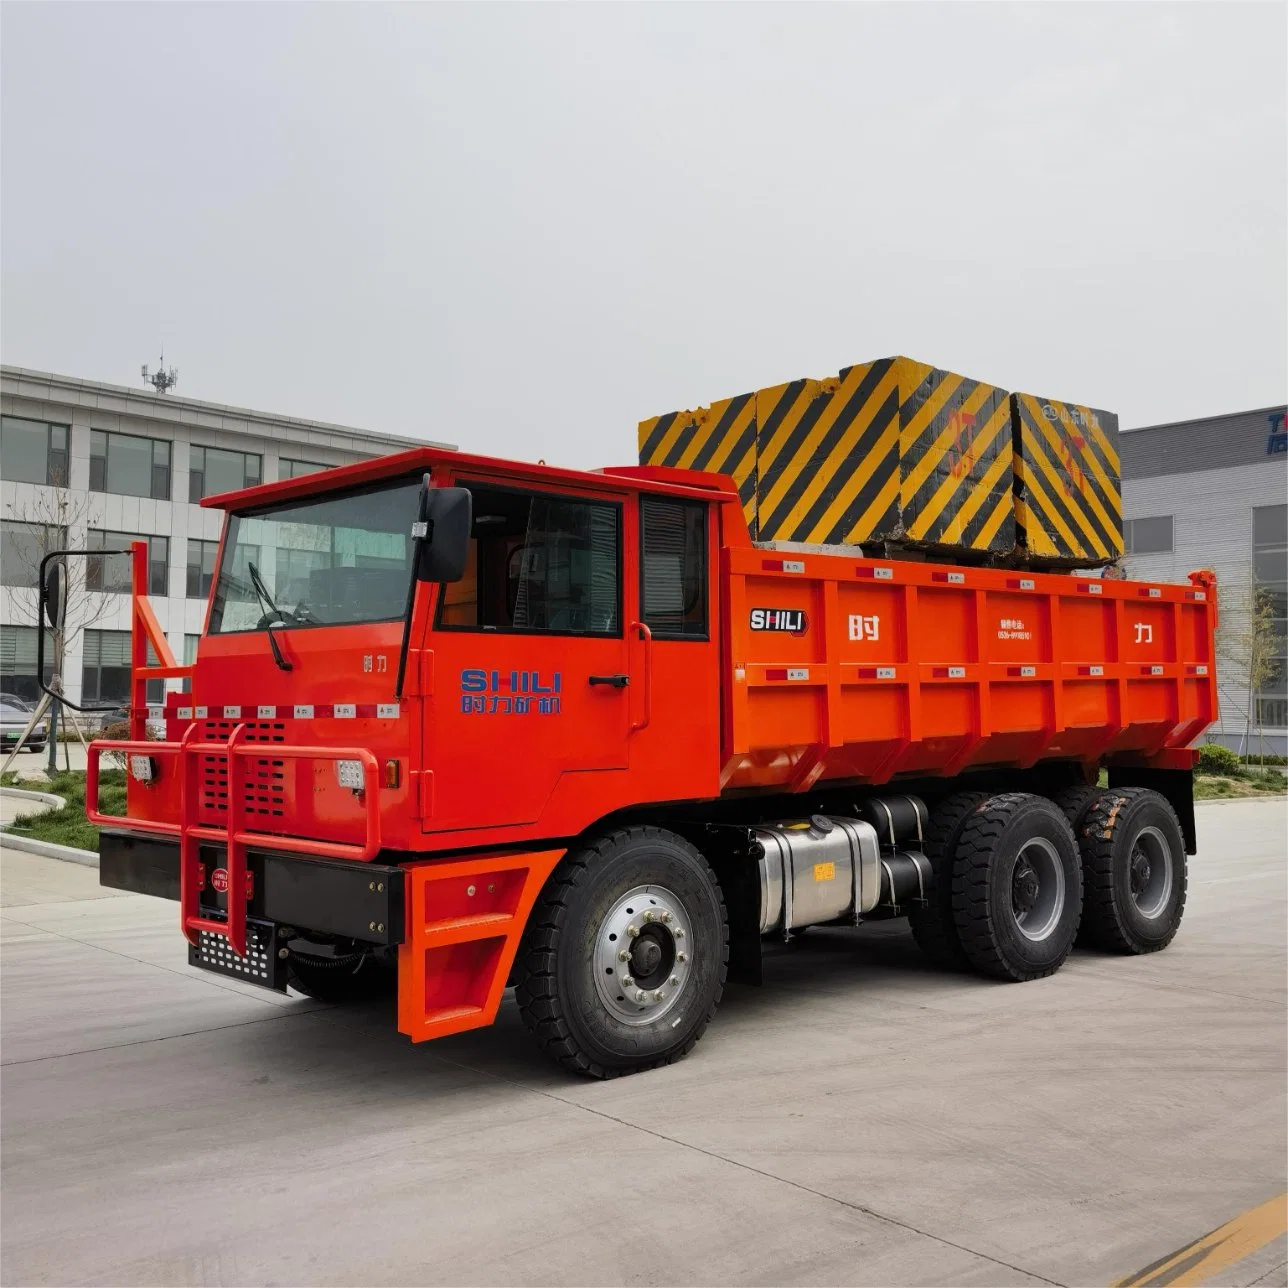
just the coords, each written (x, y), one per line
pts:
(329, 560)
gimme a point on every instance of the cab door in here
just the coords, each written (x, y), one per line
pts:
(530, 662)
(675, 645)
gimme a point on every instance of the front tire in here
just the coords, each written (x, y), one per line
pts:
(1017, 888)
(626, 955)
(1134, 871)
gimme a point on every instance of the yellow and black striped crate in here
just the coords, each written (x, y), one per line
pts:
(893, 450)
(1068, 489)
(720, 438)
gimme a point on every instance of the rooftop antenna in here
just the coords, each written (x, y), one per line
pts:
(161, 380)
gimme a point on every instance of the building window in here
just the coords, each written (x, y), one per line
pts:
(189, 657)
(289, 469)
(1270, 574)
(112, 573)
(22, 547)
(18, 661)
(105, 674)
(129, 465)
(212, 470)
(201, 565)
(34, 451)
(1152, 536)
(673, 568)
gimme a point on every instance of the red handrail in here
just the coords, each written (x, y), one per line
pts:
(235, 836)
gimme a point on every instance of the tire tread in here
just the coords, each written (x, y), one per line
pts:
(537, 994)
(1102, 922)
(972, 907)
(933, 928)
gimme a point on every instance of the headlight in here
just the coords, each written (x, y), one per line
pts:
(143, 769)
(349, 773)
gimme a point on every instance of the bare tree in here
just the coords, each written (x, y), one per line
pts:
(1248, 641)
(55, 519)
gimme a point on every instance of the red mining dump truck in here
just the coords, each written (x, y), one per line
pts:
(456, 723)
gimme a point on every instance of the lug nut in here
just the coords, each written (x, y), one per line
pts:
(623, 956)
(681, 957)
(659, 995)
(627, 981)
(632, 931)
(679, 932)
(283, 953)
(666, 916)
(641, 997)
(675, 979)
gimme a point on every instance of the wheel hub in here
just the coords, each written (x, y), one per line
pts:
(1024, 887)
(1140, 871)
(642, 955)
(1037, 889)
(1149, 872)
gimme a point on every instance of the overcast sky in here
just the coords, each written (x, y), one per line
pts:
(524, 228)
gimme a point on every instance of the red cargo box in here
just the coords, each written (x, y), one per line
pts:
(886, 668)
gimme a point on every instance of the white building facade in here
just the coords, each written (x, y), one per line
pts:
(1213, 493)
(92, 466)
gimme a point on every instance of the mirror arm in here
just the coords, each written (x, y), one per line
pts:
(420, 535)
(41, 604)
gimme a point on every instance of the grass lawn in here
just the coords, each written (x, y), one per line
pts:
(68, 826)
(1252, 782)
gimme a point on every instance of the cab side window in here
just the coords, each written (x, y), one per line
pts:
(538, 563)
(673, 568)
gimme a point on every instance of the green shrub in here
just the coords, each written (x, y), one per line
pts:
(1216, 759)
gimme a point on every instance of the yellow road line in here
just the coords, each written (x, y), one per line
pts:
(1197, 1262)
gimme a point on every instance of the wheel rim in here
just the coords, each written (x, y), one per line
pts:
(1150, 872)
(1037, 889)
(643, 955)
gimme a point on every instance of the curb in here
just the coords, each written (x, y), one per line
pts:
(45, 798)
(48, 850)
(1241, 800)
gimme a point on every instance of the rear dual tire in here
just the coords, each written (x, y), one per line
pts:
(1017, 887)
(933, 927)
(1134, 871)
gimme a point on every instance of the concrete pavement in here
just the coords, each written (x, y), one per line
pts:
(861, 1119)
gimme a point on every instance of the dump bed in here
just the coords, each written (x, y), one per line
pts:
(852, 668)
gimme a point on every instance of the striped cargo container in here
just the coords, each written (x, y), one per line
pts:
(888, 451)
(1068, 493)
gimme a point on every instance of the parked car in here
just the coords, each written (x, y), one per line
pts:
(13, 700)
(112, 717)
(13, 720)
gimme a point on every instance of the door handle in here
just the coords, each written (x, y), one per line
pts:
(617, 681)
(647, 636)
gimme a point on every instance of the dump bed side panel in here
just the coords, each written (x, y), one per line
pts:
(852, 668)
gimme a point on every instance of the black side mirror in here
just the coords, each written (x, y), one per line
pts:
(448, 513)
(54, 594)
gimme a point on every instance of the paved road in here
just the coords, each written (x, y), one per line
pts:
(858, 1120)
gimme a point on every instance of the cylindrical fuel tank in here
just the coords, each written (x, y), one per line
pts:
(817, 869)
